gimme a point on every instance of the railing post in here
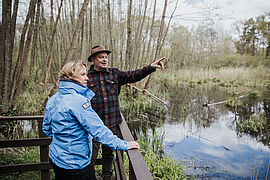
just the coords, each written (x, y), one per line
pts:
(119, 158)
(131, 172)
(44, 154)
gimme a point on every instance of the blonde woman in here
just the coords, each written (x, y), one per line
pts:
(72, 123)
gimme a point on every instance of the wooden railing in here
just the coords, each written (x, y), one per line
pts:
(43, 142)
(137, 168)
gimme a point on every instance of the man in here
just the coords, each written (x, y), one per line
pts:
(106, 83)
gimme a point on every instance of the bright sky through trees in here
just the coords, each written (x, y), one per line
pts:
(225, 12)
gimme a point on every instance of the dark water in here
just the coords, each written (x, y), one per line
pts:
(207, 140)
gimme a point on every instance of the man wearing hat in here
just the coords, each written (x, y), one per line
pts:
(106, 83)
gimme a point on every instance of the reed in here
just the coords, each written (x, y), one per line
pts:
(225, 76)
(140, 107)
(161, 166)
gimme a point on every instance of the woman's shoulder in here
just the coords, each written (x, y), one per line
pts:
(76, 98)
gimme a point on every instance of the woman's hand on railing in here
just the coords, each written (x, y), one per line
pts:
(133, 145)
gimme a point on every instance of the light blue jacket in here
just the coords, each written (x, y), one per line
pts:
(72, 123)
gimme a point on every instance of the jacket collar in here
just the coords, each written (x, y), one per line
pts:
(67, 86)
(92, 70)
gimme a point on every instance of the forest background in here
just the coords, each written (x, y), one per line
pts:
(35, 47)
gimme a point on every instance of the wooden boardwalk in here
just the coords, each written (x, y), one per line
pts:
(138, 169)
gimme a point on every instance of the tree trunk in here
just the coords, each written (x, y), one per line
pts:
(169, 23)
(158, 48)
(90, 26)
(35, 39)
(8, 27)
(2, 63)
(26, 51)
(151, 31)
(139, 37)
(128, 48)
(53, 31)
(268, 50)
(5, 36)
(110, 32)
(17, 70)
(76, 32)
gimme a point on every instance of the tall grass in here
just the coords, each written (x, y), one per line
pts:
(224, 74)
(239, 77)
(160, 166)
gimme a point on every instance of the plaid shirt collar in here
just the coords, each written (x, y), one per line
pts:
(93, 71)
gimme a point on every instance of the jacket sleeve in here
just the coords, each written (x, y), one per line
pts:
(125, 77)
(91, 123)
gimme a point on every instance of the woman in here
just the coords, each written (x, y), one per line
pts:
(72, 123)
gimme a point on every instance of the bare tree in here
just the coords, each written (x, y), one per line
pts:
(151, 31)
(139, 36)
(53, 30)
(110, 31)
(7, 29)
(76, 32)
(25, 52)
(17, 70)
(128, 48)
(158, 48)
(35, 38)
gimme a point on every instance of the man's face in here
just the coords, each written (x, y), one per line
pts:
(100, 61)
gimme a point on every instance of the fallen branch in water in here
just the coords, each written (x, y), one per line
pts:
(221, 102)
(147, 93)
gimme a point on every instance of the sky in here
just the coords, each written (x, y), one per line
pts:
(224, 12)
(190, 13)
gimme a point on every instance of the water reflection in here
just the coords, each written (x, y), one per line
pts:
(216, 152)
(208, 141)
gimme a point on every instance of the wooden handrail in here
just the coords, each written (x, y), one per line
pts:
(7, 118)
(137, 168)
(25, 142)
(24, 167)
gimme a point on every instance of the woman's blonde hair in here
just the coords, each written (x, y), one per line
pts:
(71, 69)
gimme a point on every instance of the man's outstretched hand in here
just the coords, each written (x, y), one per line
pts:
(158, 64)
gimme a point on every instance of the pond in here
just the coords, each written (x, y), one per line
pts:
(207, 140)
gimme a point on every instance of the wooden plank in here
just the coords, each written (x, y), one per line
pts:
(136, 160)
(116, 170)
(25, 142)
(10, 118)
(24, 167)
(121, 165)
